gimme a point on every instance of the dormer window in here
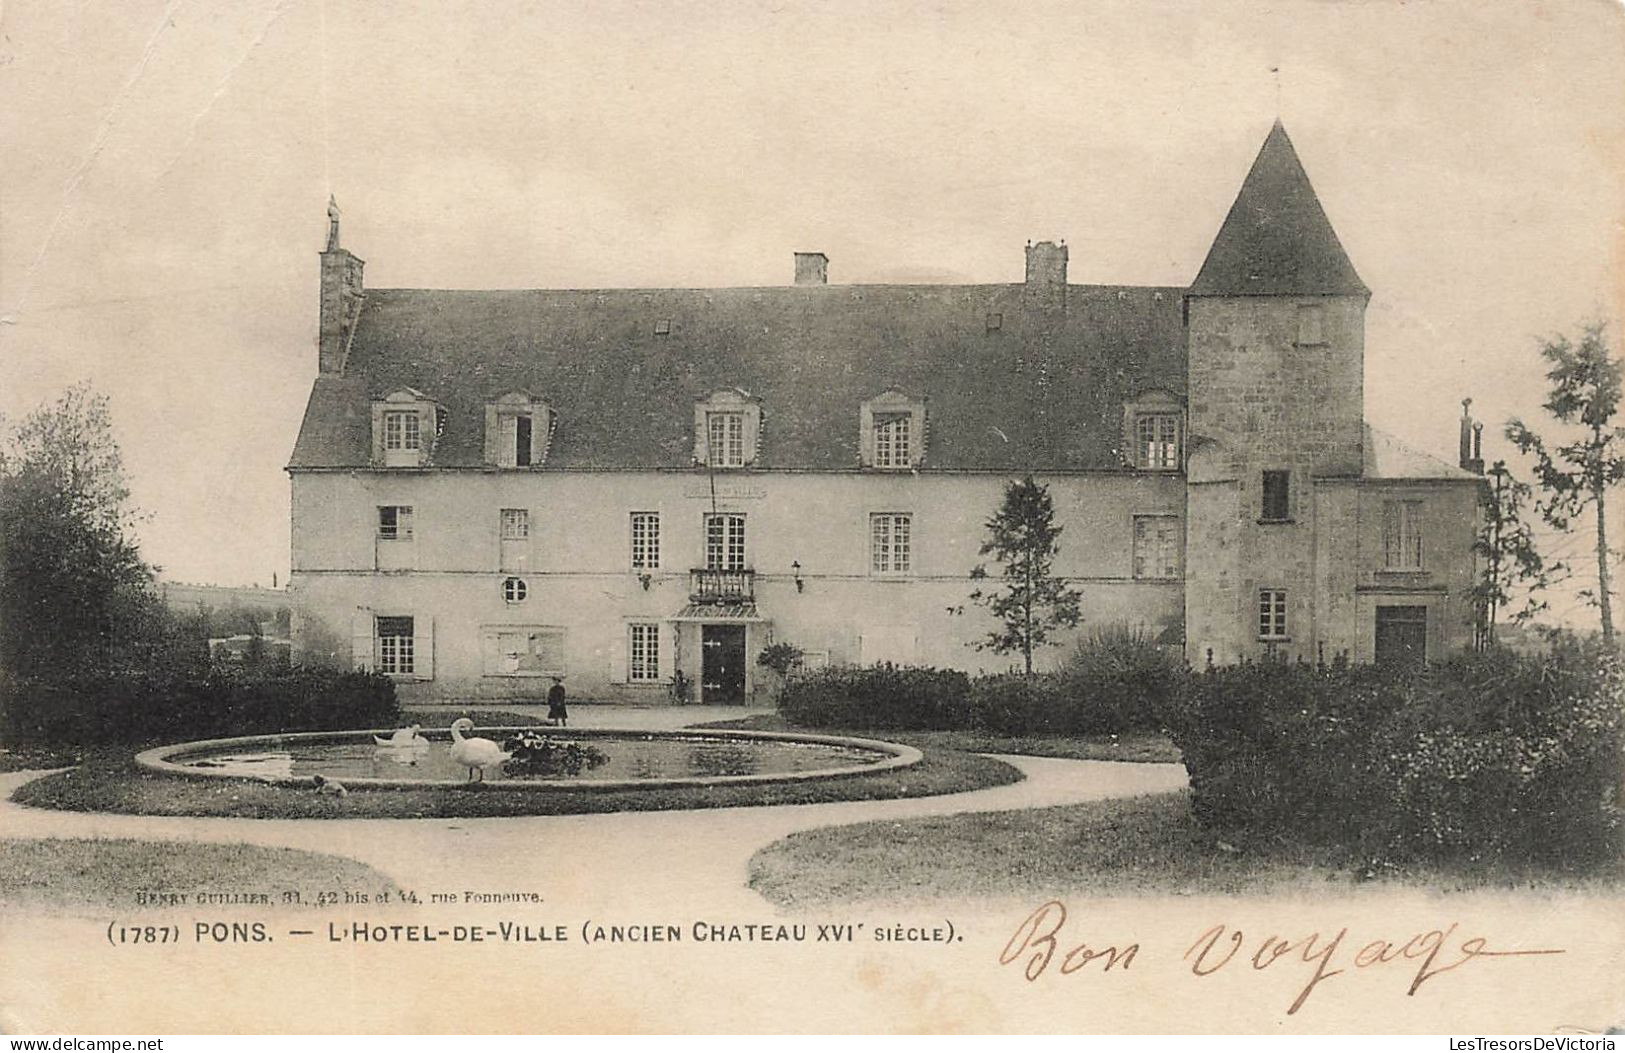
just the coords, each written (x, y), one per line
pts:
(405, 425)
(892, 446)
(727, 429)
(401, 430)
(518, 430)
(514, 444)
(1153, 425)
(725, 439)
(892, 426)
(1156, 441)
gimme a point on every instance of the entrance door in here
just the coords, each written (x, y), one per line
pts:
(1402, 636)
(722, 671)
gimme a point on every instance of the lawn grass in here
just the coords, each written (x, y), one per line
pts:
(1139, 846)
(37, 758)
(108, 781)
(72, 875)
(1137, 747)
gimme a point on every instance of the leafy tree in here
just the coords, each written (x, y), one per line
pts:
(1576, 474)
(74, 592)
(1033, 603)
(1511, 563)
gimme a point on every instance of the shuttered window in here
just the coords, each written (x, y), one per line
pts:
(395, 522)
(1402, 535)
(1277, 504)
(397, 651)
(515, 442)
(523, 650)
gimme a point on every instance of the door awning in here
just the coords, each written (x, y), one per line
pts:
(731, 613)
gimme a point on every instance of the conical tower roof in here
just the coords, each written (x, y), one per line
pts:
(1277, 241)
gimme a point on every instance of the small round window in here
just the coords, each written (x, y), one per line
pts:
(514, 590)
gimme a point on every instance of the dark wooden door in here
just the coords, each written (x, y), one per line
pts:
(722, 670)
(1402, 636)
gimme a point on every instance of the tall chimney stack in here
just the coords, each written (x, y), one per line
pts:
(1046, 273)
(1471, 456)
(341, 296)
(1465, 451)
(812, 268)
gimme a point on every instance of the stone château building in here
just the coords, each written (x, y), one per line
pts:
(492, 488)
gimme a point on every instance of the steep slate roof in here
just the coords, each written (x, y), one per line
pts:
(1277, 241)
(1043, 391)
(1388, 458)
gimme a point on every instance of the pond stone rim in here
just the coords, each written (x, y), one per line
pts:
(162, 759)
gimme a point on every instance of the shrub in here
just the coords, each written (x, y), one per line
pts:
(781, 658)
(137, 708)
(1116, 680)
(1480, 757)
(884, 697)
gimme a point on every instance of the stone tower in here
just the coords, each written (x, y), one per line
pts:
(1276, 420)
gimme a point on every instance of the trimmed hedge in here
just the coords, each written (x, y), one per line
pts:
(1481, 757)
(884, 697)
(143, 708)
(1115, 682)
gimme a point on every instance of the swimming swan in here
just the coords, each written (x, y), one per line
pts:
(404, 738)
(474, 754)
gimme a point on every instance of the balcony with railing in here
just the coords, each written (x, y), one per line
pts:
(706, 585)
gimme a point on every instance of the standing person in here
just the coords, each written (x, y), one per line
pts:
(556, 711)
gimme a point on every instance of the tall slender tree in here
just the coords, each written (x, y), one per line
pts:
(1575, 475)
(1023, 538)
(1511, 565)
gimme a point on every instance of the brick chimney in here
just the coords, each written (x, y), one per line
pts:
(341, 296)
(1046, 273)
(812, 268)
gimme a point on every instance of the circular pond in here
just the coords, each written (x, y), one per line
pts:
(591, 759)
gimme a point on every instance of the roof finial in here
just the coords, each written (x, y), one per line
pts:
(332, 223)
(1275, 71)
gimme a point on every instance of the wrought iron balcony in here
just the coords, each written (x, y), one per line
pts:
(721, 586)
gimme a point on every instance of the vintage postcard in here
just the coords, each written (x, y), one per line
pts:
(726, 517)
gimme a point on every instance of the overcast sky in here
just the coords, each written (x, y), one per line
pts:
(167, 166)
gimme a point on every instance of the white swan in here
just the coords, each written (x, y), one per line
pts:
(404, 738)
(474, 754)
